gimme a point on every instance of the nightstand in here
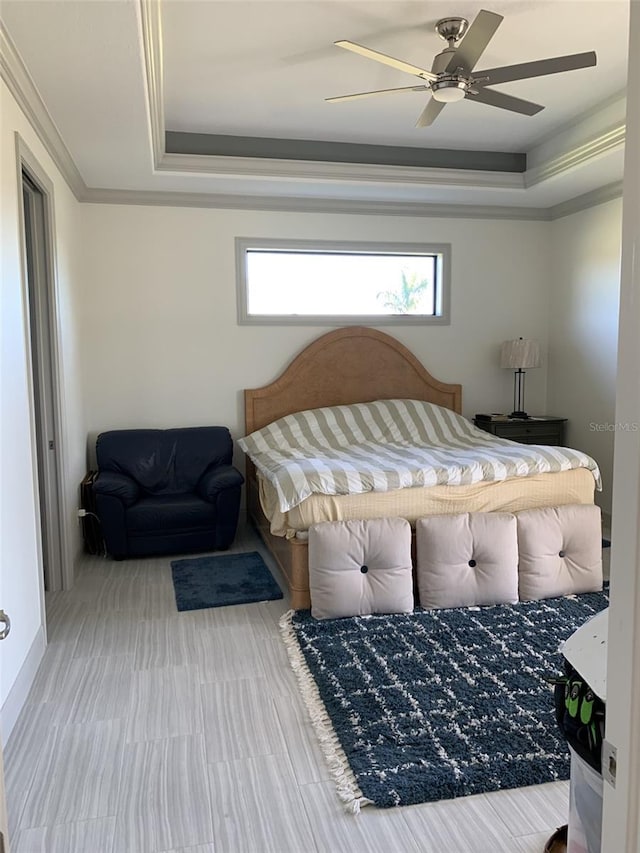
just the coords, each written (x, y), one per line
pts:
(534, 430)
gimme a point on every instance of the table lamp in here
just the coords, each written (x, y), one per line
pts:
(519, 355)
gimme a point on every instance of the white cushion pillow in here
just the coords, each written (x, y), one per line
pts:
(359, 568)
(467, 559)
(560, 551)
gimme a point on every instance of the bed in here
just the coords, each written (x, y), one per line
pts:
(357, 365)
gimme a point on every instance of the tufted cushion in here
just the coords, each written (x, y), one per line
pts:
(467, 559)
(357, 568)
(560, 551)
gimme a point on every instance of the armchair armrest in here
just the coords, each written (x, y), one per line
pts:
(117, 485)
(217, 480)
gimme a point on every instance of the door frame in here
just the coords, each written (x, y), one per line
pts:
(621, 812)
(62, 576)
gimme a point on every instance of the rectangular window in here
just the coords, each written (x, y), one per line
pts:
(341, 283)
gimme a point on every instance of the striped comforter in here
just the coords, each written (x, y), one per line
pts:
(391, 444)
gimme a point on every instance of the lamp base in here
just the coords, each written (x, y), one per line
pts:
(522, 416)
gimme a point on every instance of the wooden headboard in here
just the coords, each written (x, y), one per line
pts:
(350, 365)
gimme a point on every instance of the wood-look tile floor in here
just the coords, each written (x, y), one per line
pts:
(153, 731)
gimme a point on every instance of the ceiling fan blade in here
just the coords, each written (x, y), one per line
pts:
(430, 113)
(475, 41)
(537, 69)
(386, 60)
(377, 92)
(505, 102)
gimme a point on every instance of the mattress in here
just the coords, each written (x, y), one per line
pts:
(388, 445)
(575, 486)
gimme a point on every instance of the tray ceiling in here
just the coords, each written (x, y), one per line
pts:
(261, 69)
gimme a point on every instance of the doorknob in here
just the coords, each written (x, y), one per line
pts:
(4, 620)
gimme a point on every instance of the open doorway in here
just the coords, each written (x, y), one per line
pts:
(39, 279)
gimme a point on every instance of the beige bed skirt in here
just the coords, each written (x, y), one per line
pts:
(564, 487)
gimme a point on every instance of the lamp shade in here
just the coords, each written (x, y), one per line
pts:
(520, 354)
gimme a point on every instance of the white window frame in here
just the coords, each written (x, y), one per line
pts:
(443, 282)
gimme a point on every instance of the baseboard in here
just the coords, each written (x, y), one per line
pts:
(21, 686)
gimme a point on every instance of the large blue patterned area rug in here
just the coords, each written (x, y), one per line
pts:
(437, 704)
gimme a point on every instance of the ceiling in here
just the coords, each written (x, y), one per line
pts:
(114, 73)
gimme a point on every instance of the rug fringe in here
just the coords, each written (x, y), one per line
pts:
(341, 772)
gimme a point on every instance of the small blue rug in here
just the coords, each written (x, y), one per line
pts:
(203, 582)
(437, 704)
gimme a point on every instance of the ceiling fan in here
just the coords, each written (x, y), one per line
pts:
(452, 76)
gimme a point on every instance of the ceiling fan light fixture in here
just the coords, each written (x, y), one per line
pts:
(449, 91)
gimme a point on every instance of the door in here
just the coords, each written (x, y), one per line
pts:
(40, 326)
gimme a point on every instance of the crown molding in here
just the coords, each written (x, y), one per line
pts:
(600, 143)
(590, 199)
(313, 205)
(617, 99)
(309, 170)
(19, 82)
(150, 24)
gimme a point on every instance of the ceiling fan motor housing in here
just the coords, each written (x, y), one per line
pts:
(441, 60)
(448, 87)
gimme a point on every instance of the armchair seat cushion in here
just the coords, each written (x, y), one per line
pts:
(178, 512)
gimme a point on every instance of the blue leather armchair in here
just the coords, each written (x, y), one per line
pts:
(166, 491)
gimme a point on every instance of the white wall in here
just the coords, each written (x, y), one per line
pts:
(583, 331)
(162, 346)
(20, 569)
